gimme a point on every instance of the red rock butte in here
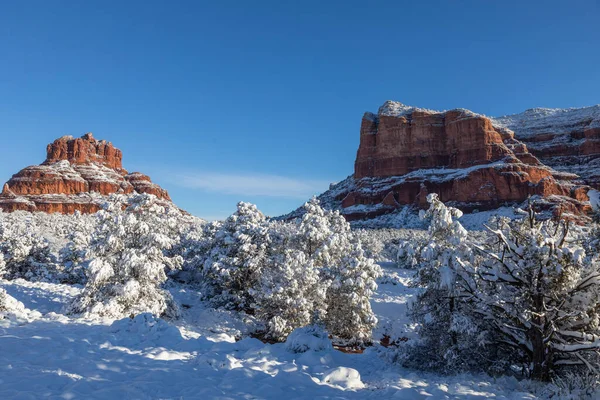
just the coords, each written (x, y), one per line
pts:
(77, 175)
(470, 160)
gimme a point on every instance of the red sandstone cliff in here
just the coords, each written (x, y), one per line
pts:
(406, 153)
(76, 176)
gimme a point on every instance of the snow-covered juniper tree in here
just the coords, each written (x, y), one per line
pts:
(325, 237)
(8, 303)
(195, 243)
(288, 274)
(127, 259)
(73, 254)
(26, 253)
(527, 296)
(349, 314)
(290, 293)
(541, 293)
(449, 333)
(236, 258)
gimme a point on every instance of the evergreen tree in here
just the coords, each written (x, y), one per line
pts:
(127, 259)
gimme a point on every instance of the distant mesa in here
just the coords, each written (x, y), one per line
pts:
(472, 161)
(77, 175)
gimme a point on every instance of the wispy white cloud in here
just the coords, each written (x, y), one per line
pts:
(252, 184)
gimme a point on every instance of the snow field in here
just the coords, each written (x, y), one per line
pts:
(58, 357)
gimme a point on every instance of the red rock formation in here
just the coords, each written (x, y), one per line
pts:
(77, 175)
(405, 153)
(392, 145)
(84, 150)
(142, 184)
(564, 139)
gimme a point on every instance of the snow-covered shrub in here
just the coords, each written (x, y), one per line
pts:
(251, 264)
(32, 243)
(195, 243)
(349, 315)
(237, 256)
(326, 238)
(448, 329)
(382, 244)
(2, 264)
(73, 254)
(10, 307)
(127, 260)
(408, 254)
(541, 294)
(308, 338)
(146, 327)
(25, 252)
(528, 296)
(290, 293)
(417, 250)
(287, 274)
(371, 242)
(573, 386)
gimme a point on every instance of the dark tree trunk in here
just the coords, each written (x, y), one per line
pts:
(541, 357)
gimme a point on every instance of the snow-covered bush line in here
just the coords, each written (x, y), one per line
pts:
(285, 275)
(41, 246)
(288, 274)
(382, 244)
(526, 297)
(522, 297)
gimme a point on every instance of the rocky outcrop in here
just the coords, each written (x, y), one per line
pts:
(401, 139)
(471, 161)
(84, 150)
(142, 184)
(564, 139)
(77, 175)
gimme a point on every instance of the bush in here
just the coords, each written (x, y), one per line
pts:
(308, 338)
(528, 295)
(127, 260)
(290, 274)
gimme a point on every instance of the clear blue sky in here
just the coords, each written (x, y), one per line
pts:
(261, 101)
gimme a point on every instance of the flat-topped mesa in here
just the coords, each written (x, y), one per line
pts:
(401, 139)
(407, 152)
(77, 175)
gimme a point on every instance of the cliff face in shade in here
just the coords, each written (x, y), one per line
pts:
(471, 161)
(564, 139)
(77, 175)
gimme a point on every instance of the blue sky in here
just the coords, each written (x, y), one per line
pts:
(261, 101)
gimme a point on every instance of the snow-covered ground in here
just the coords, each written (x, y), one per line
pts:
(46, 354)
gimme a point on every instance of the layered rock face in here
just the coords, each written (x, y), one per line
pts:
(77, 175)
(565, 139)
(468, 159)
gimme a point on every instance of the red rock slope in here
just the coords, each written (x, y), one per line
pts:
(77, 175)
(565, 139)
(406, 153)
